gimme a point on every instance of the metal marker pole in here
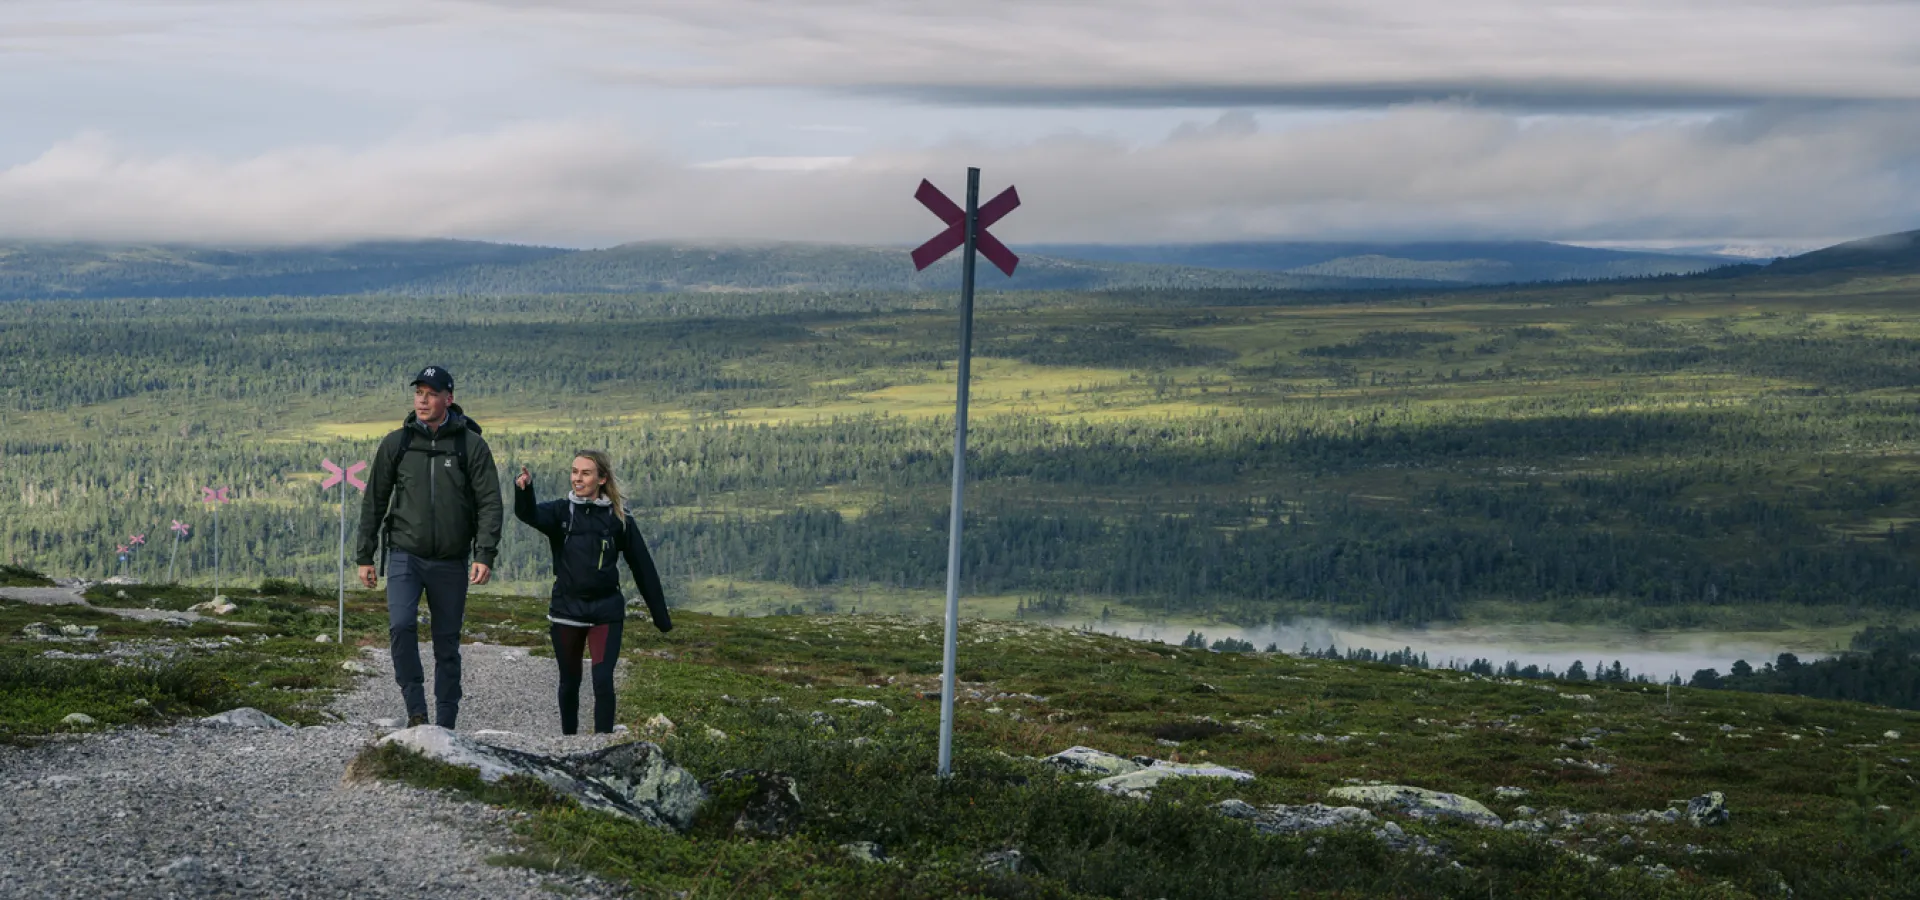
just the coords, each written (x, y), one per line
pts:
(959, 474)
(343, 562)
(216, 552)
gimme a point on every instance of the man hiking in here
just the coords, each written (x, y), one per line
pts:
(432, 505)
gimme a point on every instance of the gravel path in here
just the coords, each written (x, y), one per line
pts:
(197, 811)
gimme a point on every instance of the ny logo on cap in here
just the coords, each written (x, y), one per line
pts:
(429, 371)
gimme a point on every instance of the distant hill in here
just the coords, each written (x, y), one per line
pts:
(48, 270)
(1452, 262)
(455, 268)
(669, 266)
(1884, 253)
(448, 268)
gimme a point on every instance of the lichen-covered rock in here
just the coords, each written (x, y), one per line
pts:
(78, 719)
(640, 774)
(1142, 782)
(1419, 802)
(245, 717)
(1708, 809)
(861, 704)
(633, 780)
(773, 802)
(1088, 761)
(1283, 819)
(865, 851)
(1009, 862)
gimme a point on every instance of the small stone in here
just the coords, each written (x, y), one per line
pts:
(862, 704)
(1892, 735)
(323, 639)
(865, 851)
(772, 809)
(620, 729)
(356, 667)
(1009, 861)
(1509, 793)
(186, 868)
(78, 719)
(658, 726)
(245, 717)
(715, 734)
(141, 702)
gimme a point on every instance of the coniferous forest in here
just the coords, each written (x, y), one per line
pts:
(1665, 453)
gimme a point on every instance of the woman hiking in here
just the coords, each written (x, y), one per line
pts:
(589, 531)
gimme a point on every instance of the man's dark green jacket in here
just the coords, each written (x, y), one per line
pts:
(436, 512)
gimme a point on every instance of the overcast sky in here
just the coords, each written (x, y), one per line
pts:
(592, 122)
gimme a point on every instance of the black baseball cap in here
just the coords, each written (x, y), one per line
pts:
(436, 377)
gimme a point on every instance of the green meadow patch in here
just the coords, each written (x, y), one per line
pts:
(1819, 791)
(150, 672)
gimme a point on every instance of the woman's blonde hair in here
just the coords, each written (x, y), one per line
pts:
(612, 488)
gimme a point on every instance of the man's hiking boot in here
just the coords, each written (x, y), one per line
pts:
(413, 721)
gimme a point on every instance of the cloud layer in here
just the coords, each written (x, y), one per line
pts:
(1424, 170)
(1545, 53)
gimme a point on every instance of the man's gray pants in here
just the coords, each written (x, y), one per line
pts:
(445, 583)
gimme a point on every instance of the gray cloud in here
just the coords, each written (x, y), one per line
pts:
(1209, 53)
(1546, 54)
(1414, 171)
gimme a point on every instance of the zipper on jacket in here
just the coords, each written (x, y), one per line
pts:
(433, 502)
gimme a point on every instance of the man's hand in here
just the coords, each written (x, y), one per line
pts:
(525, 479)
(369, 578)
(480, 573)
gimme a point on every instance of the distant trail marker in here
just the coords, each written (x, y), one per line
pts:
(343, 477)
(966, 229)
(180, 530)
(218, 497)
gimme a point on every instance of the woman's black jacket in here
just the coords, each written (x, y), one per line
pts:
(588, 542)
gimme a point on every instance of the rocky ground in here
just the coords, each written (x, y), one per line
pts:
(195, 810)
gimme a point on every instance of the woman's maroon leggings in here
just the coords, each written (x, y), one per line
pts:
(603, 643)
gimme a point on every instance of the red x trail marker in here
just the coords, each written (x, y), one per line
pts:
(956, 234)
(966, 228)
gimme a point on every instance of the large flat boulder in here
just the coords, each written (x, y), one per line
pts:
(1141, 783)
(1088, 761)
(1418, 802)
(633, 780)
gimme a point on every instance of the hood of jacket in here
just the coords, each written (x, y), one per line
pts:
(456, 420)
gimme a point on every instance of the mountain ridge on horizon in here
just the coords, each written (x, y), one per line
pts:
(452, 267)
